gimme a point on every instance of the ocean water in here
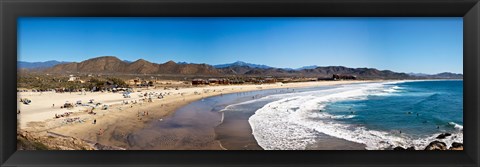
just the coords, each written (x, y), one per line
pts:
(379, 115)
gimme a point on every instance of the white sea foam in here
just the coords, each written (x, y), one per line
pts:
(231, 107)
(292, 122)
(456, 126)
(343, 116)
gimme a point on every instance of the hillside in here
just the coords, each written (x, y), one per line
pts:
(113, 65)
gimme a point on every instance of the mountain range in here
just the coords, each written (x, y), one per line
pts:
(242, 64)
(113, 65)
(36, 65)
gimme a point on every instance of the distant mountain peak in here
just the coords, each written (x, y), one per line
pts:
(182, 62)
(105, 57)
(170, 62)
(242, 63)
(306, 67)
(39, 65)
(141, 60)
(443, 75)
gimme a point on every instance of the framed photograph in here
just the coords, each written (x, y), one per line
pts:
(233, 83)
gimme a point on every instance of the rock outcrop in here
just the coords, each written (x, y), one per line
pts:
(401, 148)
(53, 141)
(456, 146)
(31, 141)
(436, 145)
(443, 135)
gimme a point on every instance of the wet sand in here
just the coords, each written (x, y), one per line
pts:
(235, 133)
(200, 125)
(189, 128)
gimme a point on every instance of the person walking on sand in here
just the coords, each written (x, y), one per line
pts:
(95, 121)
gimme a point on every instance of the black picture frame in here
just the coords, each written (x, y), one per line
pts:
(10, 10)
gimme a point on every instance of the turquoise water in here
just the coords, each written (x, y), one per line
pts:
(418, 109)
(379, 115)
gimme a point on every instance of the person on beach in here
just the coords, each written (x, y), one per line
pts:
(95, 121)
(53, 105)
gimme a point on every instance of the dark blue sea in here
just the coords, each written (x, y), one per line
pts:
(379, 115)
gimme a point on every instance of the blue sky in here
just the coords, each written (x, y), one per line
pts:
(423, 45)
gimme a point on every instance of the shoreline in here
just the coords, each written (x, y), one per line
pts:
(235, 132)
(116, 124)
(239, 141)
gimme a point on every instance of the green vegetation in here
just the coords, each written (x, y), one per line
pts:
(66, 83)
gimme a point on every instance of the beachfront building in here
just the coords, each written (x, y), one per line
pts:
(224, 81)
(237, 81)
(199, 82)
(72, 78)
(252, 80)
(343, 77)
(270, 80)
(284, 79)
(213, 81)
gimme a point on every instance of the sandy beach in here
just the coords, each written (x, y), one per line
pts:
(116, 124)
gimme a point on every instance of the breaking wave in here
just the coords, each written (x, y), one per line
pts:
(293, 120)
